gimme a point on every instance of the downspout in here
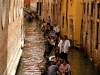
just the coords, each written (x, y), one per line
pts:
(81, 34)
(67, 14)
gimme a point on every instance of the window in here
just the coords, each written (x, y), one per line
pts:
(48, 3)
(14, 15)
(92, 8)
(9, 4)
(71, 26)
(60, 6)
(66, 8)
(3, 13)
(84, 7)
(87, 8)
(56, 7)
(97, 35)
(17, 11)
(9, 11)
(40, 8)
(91, 26)
(37, 7)
(14, 10)
(51, 8)
(98, 10)
(63, 22)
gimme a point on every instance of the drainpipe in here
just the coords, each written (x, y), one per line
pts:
(86, 33)
(67, 14)
(81, 36)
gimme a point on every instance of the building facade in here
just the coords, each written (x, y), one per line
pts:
(64, 19)
(27, 3)
(66, 14)
(3, 35)
(40, 9)
(71, 19)
(11, 35)
(56, 14)
(91, 30)
(49, 8)
(33, 5)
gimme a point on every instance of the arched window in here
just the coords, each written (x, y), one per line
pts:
(3, 12)
(17, 7)
(14, 17)
(63, 22)
(9, 20)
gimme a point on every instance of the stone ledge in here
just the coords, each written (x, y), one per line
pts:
(15, 63)
(12, 65)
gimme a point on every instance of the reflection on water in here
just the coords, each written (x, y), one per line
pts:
(32, 58)
(81, 65)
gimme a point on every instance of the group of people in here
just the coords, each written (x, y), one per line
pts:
(62, 66)
(59, 45)
(59, 68)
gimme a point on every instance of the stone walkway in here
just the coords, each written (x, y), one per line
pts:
(32, 58)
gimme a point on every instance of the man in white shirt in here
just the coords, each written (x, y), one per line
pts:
(64, 46)
(56, 29)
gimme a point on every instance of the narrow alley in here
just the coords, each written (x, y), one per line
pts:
(32, 58)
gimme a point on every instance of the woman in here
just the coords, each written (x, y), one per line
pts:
(64, 67)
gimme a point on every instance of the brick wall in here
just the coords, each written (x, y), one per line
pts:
(3, 36)
(90, 31)
(10, 33)
(52, 8)
(14, 36)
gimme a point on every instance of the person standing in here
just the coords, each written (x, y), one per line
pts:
(56, 29)
(64, 46)
(48, 21)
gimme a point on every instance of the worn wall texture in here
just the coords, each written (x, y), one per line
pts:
(11, 24)
(91, 30)
(52, 8)
(3, 35)
(14, 35)
(27, 3)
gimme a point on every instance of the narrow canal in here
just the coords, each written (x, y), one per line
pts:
(32, 57)
(80, 64)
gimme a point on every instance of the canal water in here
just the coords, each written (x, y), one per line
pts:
(32, 58)
(80, 64)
